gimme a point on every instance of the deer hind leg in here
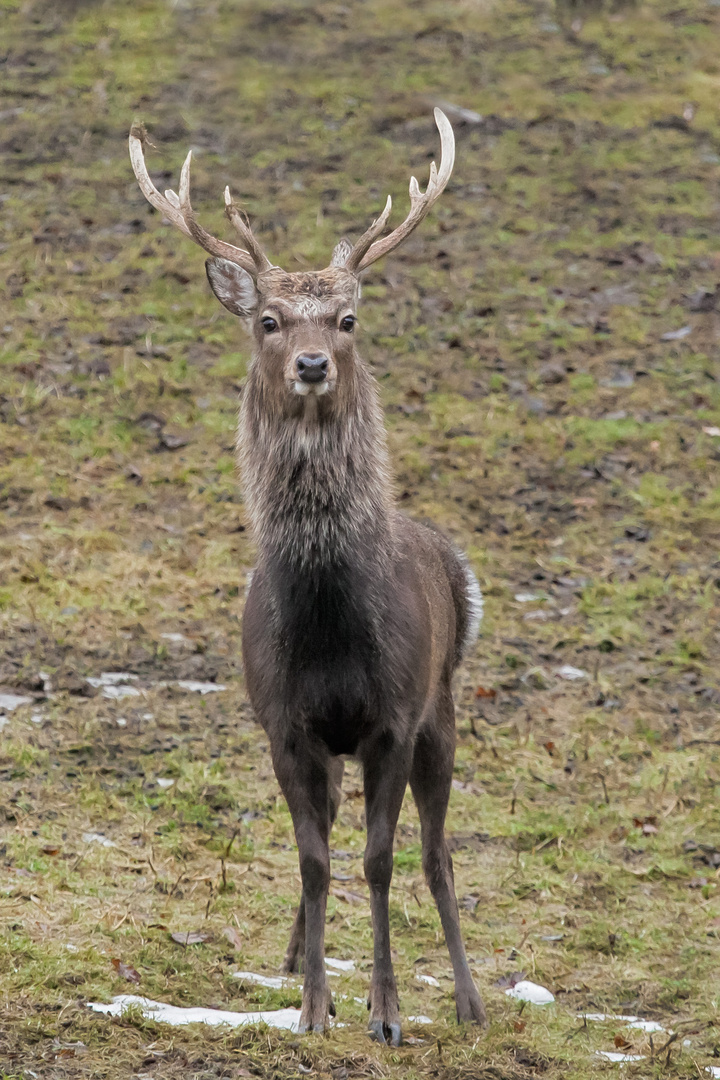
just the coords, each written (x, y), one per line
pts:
(386, 770)
(304, 773)
(430, 781)
(295, 954)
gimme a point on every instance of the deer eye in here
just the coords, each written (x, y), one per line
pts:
(269, 325)
(348, 324)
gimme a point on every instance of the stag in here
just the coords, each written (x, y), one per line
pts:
(356, 616)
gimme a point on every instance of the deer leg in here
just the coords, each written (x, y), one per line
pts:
(296, 947)
(386, 775)
(304, 773)
(431, 780)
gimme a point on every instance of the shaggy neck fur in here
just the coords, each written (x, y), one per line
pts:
(316, 476)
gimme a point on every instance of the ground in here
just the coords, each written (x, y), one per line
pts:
(547, 350)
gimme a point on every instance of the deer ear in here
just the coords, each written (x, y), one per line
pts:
(341, 253)
(233, 286)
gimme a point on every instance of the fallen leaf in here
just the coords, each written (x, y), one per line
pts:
(647, 825)
(168, 440)
(49, 850)
(151, 421)
(550, 747)
(637, 532)
(506, 982)
(125, 971)
(519, 1025)
(349, 896)
(231, 934)
(567, 671)
(676, 335)
(621, 1042)
(190, 937)
(482, 692)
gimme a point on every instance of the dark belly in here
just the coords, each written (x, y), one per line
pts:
(333, 704)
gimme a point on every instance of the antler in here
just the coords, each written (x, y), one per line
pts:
(179, 211)
(369, 249)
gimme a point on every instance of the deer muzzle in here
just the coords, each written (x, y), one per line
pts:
(313, 373)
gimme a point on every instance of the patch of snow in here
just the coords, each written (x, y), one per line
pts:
(712, 430)
(165, 782)
(714, 1070)
(339, 965)
(3, 722)
(71, 948)
(528, 597)
(429, 979)
(201, 687)
(419, 1019)
(37, 718)
(288, 1019)
(635, 1022)
(111, 678)
(613, 1055)
(97, 838)
(121, 721)
(567, 671)
(174, 637)
(273, 982)
(530, 991)
(148, 716)
(13, 701)
(115, 693)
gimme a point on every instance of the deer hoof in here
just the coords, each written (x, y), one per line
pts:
(304, 1029)
(470, 1009)
(389, 1034)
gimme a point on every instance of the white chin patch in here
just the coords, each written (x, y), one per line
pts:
(304, 389)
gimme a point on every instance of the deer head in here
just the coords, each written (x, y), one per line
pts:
(303, 323)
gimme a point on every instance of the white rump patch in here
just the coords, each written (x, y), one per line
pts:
(475, 605)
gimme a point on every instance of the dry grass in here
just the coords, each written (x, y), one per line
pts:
(535, 411)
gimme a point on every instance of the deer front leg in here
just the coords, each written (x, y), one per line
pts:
(386, 771)
(296, 946)
(303, 772)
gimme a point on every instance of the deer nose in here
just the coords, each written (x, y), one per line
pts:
(312, 367)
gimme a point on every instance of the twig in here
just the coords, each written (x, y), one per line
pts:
(172, 891)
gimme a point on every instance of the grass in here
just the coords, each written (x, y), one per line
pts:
(535, 410)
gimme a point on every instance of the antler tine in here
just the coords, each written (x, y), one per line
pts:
(180, 212)
(234, 254)
(261, 260)
(151, 193)
(420, 203)
(353, 260)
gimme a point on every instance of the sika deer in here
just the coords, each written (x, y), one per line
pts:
(356, 616)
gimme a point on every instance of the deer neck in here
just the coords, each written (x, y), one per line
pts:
(317, 484)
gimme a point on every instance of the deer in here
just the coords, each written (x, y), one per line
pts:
(356, 616)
